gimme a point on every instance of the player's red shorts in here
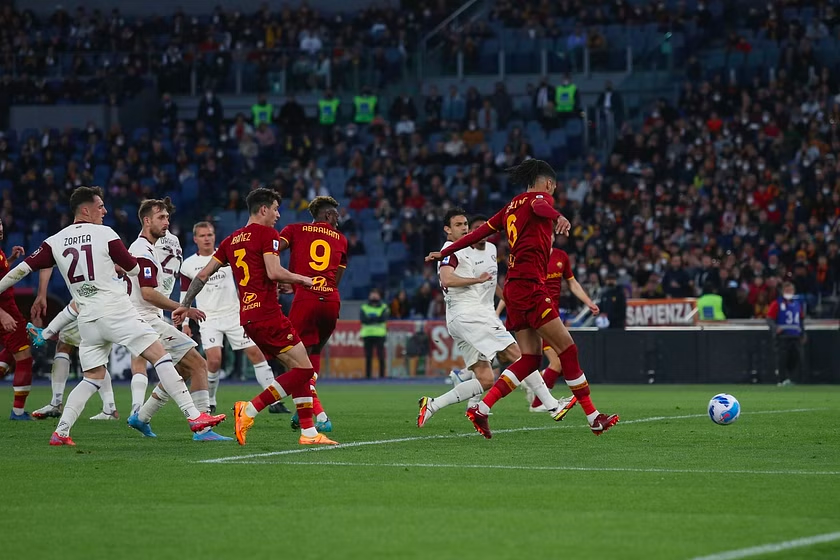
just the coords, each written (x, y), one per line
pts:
(314, 320)
(528, 305)
(17, 340)
(555, 301)
(273, 336)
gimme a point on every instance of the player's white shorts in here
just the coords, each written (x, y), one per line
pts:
(126, 329)
(214, 330)
(479, 336)
(176, 343)
(70, 334)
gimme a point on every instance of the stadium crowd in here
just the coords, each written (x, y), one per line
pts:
(731, 189)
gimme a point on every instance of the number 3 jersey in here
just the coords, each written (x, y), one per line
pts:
(317, 251)
(243, 250)
(218, 299)
(150, 276)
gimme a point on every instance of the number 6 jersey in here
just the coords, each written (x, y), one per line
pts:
(317, 251)
(243, 250)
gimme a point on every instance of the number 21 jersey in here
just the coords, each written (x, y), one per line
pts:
(243, 250)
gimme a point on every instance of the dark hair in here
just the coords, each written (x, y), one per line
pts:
(320, 204)
(260, 197)
(169, 206)
(84, 195)
(477, 218)
(148, 207)
(451, 213)
(527, 172)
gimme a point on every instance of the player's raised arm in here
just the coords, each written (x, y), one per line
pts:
(40, 259)
(122, 258)
(185, 310)
(487, 229)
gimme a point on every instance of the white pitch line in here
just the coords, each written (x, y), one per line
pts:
(238, 458)
(535, 468)
(770, 548)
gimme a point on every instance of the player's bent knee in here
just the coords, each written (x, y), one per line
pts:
(154, 352)
(484, 373)
(97, 373)
(64, 348)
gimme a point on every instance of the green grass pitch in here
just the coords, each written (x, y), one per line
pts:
(677, 487)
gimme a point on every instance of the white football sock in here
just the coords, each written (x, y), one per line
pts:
(175, 386)
(213, 384)
(139, 384)
(58, 377)
(536, 383)
(75, 404)
(155, 402)
(106, 391)
(474, 401)
(322, 417)
(64, 318)
(201, 399)
(264, 374)
(461, 392)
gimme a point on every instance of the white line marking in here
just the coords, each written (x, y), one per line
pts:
(769, 548)
(238, 458)
(534, 468)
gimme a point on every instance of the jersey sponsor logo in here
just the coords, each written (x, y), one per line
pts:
(249, 297)
(147, 272)
(319, 284)
(88, 290)
(168, 284)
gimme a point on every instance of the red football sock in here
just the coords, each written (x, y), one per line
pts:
(7, 358)
(520, 369)
(316, 362)
(550, 377)
(22, 382)
(289, 382)
(575, 378)
(303, 403)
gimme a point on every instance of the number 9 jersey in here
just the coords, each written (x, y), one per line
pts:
(243, 250)
(317, 251)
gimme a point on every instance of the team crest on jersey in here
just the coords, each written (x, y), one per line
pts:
(290, 336)
(147, 272)
(560, 265)
(249, 297)
(548, 300)
(275, 244)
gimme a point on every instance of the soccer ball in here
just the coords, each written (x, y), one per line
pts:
(724, 409)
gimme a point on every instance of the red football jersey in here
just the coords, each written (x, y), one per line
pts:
(243, 250)
(7, 298)
(558, 269)
(529, 236)
(316, 251)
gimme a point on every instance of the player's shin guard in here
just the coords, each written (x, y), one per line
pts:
(536, 383)
(175, 386)
(156, 401)
(58, 377)
(213, 385)
(576, 381)
(510, 379)
(303, 404)
(22, 384)
(106, 392)
(75, 404)
(139, 384)
(264, 374)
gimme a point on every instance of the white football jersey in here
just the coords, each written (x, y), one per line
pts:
(470, 263)
(150, 273)
(485, 261)
(82, 255)
(170, 257)
(219, 298)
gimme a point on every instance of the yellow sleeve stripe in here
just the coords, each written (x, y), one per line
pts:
(284, 239)
(342, 266)
(217, 260)
(490, 226)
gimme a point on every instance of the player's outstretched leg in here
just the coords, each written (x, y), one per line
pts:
(576, 380)
(58, 380)
(296, 383)
(74, 406)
